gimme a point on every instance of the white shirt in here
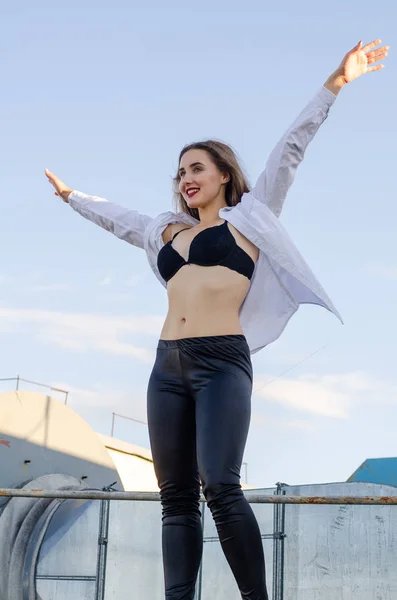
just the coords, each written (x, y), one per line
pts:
(282, 280)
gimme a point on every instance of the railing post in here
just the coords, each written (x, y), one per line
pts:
(278, 545)
(102, 549)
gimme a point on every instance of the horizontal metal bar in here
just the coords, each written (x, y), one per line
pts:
(66, 577)
(154, 497)
(264, 536)
(50, 387)
(130, 418)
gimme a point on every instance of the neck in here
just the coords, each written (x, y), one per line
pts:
(209, 215)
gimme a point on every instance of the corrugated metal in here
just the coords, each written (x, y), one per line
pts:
(331, 552)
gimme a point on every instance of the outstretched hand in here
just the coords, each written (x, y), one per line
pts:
(61, 189)
(360, 59)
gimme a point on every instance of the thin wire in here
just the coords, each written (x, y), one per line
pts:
(290, 368)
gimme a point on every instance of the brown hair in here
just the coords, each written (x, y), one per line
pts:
(226, 161)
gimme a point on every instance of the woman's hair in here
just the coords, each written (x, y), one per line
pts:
(225, 159)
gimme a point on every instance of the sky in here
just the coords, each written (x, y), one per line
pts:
(105, 95)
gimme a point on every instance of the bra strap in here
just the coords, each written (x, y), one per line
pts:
(174, 236)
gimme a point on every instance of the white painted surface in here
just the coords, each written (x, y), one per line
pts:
(41, 436)
(134, 465)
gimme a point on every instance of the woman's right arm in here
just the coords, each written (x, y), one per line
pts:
(126, 224)
(274, 182)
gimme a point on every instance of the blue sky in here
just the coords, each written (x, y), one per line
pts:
(105, 96)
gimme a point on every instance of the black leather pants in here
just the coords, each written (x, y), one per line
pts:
(199, 402)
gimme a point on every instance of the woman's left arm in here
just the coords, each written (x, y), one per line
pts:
(278, 176)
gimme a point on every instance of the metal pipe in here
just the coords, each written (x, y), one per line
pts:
(18, 379)
(114, 415)
(154, 497)
(264, 536)
(278, 544)
(102, 549)
(66, 577)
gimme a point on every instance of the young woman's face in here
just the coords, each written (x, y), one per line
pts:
(201, 182)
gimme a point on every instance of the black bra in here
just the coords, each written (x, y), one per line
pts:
(212, 246)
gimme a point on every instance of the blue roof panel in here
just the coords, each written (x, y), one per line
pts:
(377, 470)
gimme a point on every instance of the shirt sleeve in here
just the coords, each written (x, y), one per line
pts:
(128, 225)
(274, 182)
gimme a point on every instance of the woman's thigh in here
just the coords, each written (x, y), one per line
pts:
(220, 373)
(223, 412)
(172, 427)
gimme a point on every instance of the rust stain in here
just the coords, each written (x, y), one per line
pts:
(91, 494)
(343, 500)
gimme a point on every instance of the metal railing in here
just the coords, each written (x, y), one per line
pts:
(19, 379)
(114, 415)
(154, 497)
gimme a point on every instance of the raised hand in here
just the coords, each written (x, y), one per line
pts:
(61, 189)
(360, 59)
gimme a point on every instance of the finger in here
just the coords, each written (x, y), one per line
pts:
(377, 52)
(51, 177)
(376, 58)
(371, 45)
(356, 48)
(377, 68)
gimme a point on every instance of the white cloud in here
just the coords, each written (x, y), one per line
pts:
(85, 332)
(131, 281)
(265, 420)
(97, 405)
(308, 396)
(33, 282)
(331, 395)
(130, 403)
(300, 424)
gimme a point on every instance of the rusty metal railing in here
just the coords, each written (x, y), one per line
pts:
(154, 497)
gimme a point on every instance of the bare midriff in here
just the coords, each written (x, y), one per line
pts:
(204, 301)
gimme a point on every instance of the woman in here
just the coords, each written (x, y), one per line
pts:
(233, 279)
